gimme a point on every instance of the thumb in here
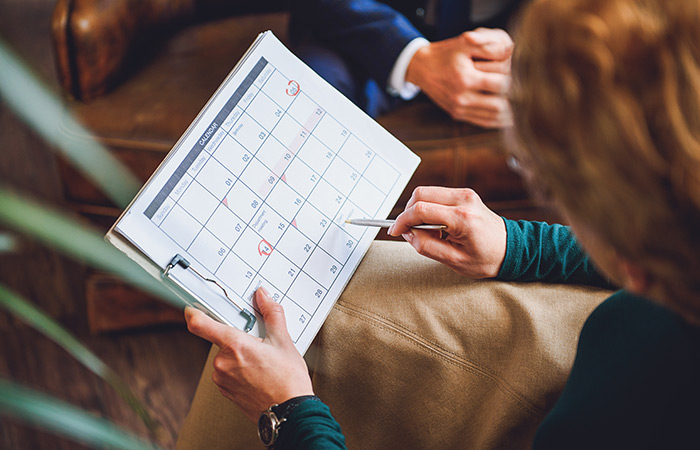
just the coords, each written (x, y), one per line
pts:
(273, 316)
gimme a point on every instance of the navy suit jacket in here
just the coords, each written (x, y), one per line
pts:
(368, 34)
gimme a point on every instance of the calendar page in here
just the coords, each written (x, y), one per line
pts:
(257, 191)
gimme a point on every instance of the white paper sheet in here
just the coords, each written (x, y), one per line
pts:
(257, 191)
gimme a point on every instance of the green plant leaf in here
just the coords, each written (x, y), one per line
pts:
(40, 108)
(64, 233)
(44, 324)
(65, 419)
(8, 243)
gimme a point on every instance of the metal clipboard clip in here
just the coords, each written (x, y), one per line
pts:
(179, 260)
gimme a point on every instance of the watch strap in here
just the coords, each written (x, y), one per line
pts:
(283, 410)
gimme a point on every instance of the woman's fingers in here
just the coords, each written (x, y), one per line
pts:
(427, 244)
(422, 213)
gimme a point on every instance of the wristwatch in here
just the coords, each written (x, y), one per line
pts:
(273, 417)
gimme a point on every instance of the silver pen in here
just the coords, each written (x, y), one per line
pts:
(387, 223)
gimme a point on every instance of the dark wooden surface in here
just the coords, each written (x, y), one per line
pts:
(118, 306)
(162, 365)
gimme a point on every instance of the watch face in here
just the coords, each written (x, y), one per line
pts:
(265, 431)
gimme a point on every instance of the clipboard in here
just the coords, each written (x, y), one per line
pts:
(185, 293)
(282, 159)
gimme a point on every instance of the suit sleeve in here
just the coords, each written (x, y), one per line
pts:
(368, 34)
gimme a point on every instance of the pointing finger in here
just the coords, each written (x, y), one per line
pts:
(423, 213)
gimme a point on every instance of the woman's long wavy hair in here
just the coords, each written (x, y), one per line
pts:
(606, 101)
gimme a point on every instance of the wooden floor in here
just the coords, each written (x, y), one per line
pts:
(161, 365)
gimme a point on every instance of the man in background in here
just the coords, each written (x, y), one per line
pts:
(380, 54)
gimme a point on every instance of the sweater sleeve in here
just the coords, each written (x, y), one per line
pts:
(310, 426)
(537, 251)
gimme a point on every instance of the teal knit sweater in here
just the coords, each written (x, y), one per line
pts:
(635, 382)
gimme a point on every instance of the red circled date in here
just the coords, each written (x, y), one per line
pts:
(293, 88)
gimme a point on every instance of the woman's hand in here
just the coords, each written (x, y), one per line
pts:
(254, 373)
(475, 245)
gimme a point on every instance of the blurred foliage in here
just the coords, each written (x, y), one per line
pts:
(8, 243)
(26, 95)
(44, 324)
(62, 418)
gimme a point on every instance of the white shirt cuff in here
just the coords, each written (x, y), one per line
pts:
(397, 85)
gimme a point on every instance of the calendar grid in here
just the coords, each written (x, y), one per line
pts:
(326, 231)
(256, 71)
(304, 201)
(229, 252)
(233, 101)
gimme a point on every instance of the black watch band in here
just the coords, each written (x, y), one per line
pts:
(283, 410)
(272, 419)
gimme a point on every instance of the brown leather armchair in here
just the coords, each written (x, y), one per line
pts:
(137, 72)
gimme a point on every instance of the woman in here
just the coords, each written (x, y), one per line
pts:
(606, 101)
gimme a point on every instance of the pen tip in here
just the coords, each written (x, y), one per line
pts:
(347, 221)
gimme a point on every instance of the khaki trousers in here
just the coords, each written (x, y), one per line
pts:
(414, 356)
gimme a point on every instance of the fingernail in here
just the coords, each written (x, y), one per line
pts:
(408, 236)
(391, 229)
(264, 292)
